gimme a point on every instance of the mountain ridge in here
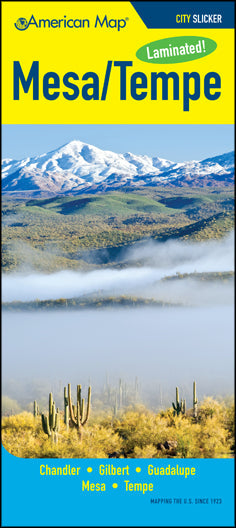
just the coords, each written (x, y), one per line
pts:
(79, 167)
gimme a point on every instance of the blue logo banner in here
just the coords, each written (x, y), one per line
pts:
(169, 15)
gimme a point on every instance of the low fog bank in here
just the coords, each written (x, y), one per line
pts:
(186, 257)
(148, 264)
(167, 346)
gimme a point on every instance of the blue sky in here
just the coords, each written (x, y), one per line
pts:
(174, 142)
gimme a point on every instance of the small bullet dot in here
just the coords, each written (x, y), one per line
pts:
(138, 469)
(89, 470)
(115, 485)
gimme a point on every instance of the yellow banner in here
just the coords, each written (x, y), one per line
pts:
(75, 62)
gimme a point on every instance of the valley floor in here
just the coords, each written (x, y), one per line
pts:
(85, 232)
(133, 433)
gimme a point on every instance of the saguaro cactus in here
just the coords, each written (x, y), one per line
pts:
(120, 394)
(50, 423)
(66, 408)
(125, 396)
(36, 409)
(109, 394)
(195, 400)
(179, 407)
(115, 406)
(78, 415)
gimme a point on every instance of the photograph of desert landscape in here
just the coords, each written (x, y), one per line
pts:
(117, 291)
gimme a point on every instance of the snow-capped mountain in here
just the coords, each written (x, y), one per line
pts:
(79, 167)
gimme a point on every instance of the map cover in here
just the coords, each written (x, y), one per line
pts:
(117, 263)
